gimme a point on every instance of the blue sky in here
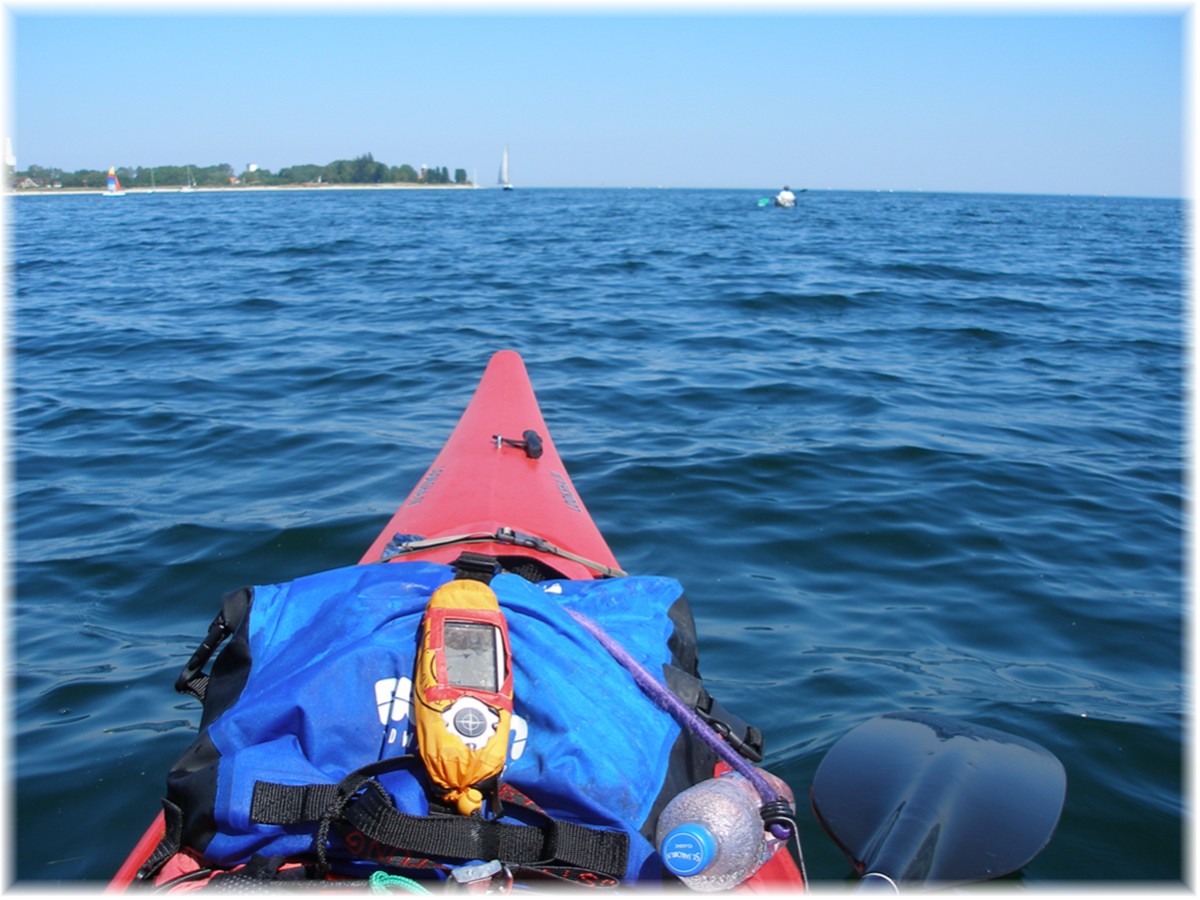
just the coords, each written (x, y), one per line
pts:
(1087, 101)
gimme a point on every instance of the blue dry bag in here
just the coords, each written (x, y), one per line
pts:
(306, 751)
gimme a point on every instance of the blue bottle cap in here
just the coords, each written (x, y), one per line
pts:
(688, 849)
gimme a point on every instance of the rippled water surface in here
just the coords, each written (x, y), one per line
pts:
(905, 451)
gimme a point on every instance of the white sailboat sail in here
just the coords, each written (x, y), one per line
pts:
(503, 179)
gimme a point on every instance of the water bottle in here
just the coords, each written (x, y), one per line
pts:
(712, 835)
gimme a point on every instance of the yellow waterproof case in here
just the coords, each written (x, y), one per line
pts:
(462, 691)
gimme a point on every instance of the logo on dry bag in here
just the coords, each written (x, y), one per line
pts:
(462, 702)
(393, 696)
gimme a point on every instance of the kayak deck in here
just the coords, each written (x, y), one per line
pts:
(499, 486)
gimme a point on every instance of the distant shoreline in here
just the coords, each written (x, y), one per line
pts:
(239, 188)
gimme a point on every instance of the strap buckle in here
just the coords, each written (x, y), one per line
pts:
(192, 679)
(476, 567)
(483, 878)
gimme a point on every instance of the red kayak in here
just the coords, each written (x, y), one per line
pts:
(498, 487)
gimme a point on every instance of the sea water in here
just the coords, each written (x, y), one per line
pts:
(905, 451)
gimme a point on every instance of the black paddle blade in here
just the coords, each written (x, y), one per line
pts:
(930, 800)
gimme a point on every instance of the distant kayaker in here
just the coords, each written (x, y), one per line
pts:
(785, 197)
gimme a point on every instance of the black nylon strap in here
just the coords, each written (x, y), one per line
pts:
(445, 837)
(296, 804)
(287, 804)
(470, 837)
(169, 845)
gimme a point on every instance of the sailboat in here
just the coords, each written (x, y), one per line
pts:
(191, 185)
(503, 179)
(114, 184)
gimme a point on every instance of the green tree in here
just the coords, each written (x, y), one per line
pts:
(221, 174)
(437, 175)
(364, 170)
(300, 174)
(85, 178)
(255, 178)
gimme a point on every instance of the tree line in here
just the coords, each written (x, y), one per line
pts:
(360, 170)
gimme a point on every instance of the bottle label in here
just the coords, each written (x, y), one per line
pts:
(687, 850)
